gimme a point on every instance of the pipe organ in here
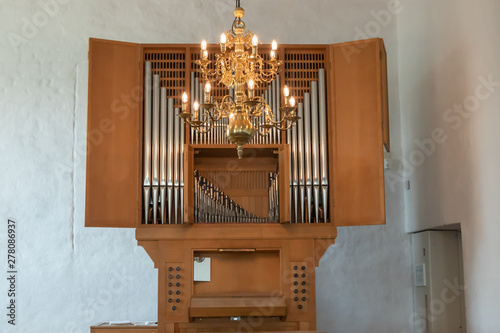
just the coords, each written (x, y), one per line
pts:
(253, 228)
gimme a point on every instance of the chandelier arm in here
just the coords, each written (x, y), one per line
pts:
(287, 127)
(205, 127)
(227, 106)
(264, 132)
(271, 118)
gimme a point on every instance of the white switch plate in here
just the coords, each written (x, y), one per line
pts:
(419, 271)
(387, 163)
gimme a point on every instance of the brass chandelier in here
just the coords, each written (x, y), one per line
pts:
(238, 66)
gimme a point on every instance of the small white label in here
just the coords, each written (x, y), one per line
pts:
(420, 275)
(201, 269)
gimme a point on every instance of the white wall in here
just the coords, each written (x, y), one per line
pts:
(71, 277)
(446, 49)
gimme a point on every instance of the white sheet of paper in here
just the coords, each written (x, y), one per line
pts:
(202, 270)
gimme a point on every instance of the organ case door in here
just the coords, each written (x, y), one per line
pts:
(114, 125)
(359, 112)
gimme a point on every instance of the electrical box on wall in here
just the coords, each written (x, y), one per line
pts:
(437, 282)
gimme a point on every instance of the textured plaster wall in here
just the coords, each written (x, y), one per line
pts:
(447, 51)
(71, 277)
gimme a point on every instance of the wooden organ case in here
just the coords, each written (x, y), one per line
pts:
(263, 221)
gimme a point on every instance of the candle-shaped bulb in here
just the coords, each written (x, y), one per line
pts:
(184, 101)
(274, 45)
(251, 87)
(223, 41)
(273, 55)
(203, 51)
(286, 93)
(208, 87)
(292, 101)
(196, 107)
(255, 40)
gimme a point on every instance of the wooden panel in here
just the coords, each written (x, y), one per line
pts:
(246, 324)
(188, 184)
(358, 139)
(248, 277)
(240, 231)
(385, 96)
(255, 273)
(113, 135)
(284, 184)
(244, 306)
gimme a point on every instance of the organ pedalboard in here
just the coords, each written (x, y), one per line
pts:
(236, 241)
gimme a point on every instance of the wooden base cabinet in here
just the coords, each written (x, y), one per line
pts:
(259, 280)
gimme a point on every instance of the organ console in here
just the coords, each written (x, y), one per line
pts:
(255, 228)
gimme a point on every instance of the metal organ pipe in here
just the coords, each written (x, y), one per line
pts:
(170, 157)
(197, 97)
(290, 167)
(193, 98)
(156, 144)
(300, 160)
(212, 205)
(323, 142)
(147, 140)
(294, 173)
(307, 153)
(277, 105)
(163, 175)
(315, 147)
(308, 157)
(181, 169)
(271, 91)
(163, 153)
(176, 166)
